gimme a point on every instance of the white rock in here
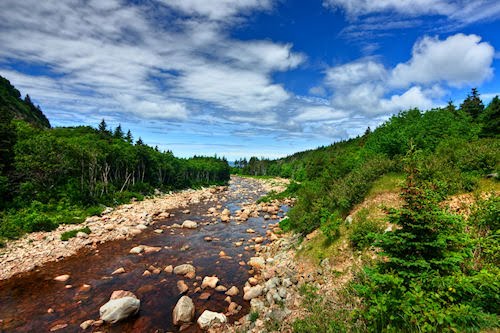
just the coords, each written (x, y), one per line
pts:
(209, 281)
(253, 292)
(119, 309)
(136, 250)
(184, 269)
(62, 278)
(209, 318)
(188, 224)
(183, 311)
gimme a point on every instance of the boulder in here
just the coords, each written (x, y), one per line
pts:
(209, 281)
(209, 318)
(118, 309)
(62, 278)
(184, 269)
(182, 287)
(257, 262)
(183, 311)
(188, 224)
(233, 291)
(253, 292)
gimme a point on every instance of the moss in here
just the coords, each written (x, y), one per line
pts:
(72, 233)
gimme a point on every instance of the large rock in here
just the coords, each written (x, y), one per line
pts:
(253, 292)
(118, 309)
(183, 311)
(257, 262)
(209, 281)
(188, 224)
(209, 318)
(184, 269)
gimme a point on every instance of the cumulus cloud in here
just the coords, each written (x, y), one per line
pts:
(458, 60)
(367, 87)
(125, 59)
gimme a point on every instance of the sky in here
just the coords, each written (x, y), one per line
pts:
(241, 78)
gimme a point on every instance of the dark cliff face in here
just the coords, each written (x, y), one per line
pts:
(13, 106)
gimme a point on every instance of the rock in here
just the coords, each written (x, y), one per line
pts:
(225, 218)
(253, 281)
(121, 293)
(226, 212)
(257, 262)
(62, 278)
(209, 281)
(209, 318)
(233, 291)
(146, 273)
(190, 275)
(259, 240)
(120, 270)
(220, 288)
(169, 269)
(158, 231)
(184, 269)
(58, 327)
(183, 311)
(151, 249)
(136, 250)
(186, 211)
(253, 292)
(188, 224)
(212, 210)
(256, 305)
(250, 231)
(86, 324)
(204, 296)
(232, 308)
(81, 234)
(118, 309)
(182, 287)
(208, 239)
(84, 288)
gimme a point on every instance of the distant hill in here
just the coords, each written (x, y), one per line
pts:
(11, 102)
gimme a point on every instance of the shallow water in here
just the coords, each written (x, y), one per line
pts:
(25, 298)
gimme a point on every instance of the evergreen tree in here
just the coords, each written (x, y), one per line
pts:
(129, 138)
(118, 134)
(490, 119)
(103, 127)
(139, 142)
(473, 105)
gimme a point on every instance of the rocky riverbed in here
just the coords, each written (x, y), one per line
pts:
(153, 266)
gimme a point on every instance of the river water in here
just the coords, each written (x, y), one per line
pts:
(26, 298)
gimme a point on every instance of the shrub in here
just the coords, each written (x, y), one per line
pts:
(363, 231)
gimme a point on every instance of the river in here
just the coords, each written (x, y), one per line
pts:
(35, 302)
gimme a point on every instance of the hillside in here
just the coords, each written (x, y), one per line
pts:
(402, 223)
(18, 108)
(59, 175)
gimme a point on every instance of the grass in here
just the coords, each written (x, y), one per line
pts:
(390, 182)
(72, 233)
(488, 185)
(253, 316)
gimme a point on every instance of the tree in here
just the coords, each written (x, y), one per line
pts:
(490, 119)
(129, 138)
(473, 105)
(103, 127)
(139, 142)
(118, 134)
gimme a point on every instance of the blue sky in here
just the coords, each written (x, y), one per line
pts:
(247, 77)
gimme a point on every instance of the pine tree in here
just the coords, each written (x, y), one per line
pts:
(103, 127)
(473, 105)
(129, 138)
(490, 119)
(139, 142)
(118, 134)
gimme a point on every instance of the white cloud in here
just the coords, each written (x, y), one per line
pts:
(366, 87)
(217, 9)
(317, 113)
(120, 58)
(458, 60)
(411, 7)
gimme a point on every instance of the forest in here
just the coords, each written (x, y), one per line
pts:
(61, 175)
(438, 271)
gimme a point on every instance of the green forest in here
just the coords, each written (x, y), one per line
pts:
(438, 271)
(59, 175)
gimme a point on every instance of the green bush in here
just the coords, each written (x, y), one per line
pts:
(330, 225)
(364, 231)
